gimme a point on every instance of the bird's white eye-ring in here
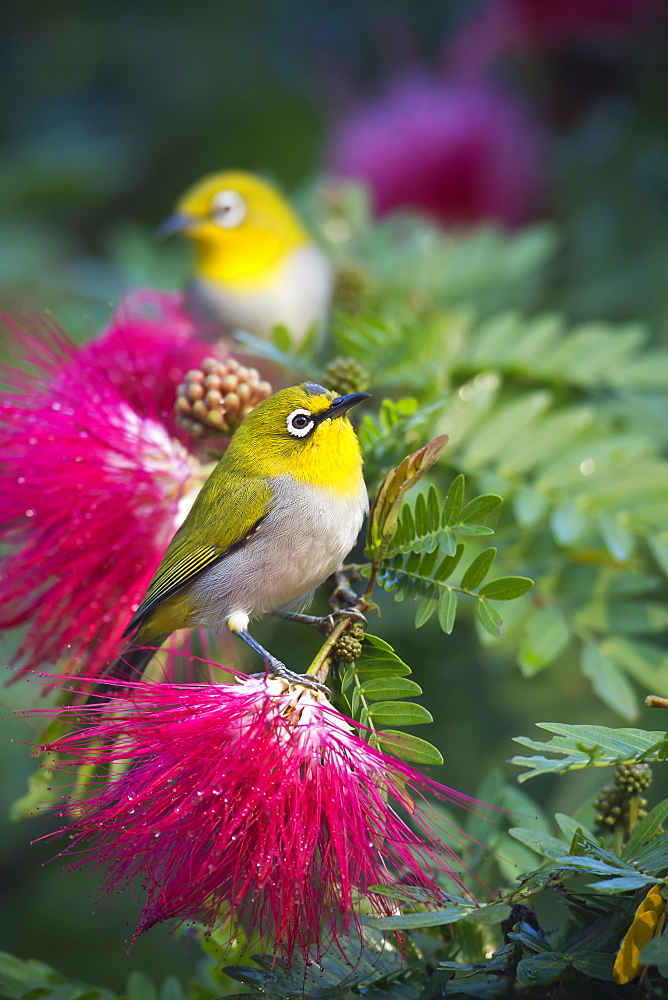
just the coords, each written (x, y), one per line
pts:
(300, 423)
(228, 209)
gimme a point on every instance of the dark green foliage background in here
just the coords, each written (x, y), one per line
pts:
(109, 111)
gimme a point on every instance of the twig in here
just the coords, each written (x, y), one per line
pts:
(656, 701)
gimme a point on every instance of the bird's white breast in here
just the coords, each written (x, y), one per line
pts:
(297, 297)
(303, 539)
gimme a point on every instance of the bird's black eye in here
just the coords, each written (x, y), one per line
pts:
(300, 423)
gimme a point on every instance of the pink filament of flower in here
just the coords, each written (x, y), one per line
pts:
(92, 493)
(236, 801)
(149, 345)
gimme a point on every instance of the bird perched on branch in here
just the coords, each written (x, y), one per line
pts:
(275, 518)
(256, 266)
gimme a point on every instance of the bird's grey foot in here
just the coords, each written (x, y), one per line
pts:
(313, 621)
(343, 595)
(324, 623)
(275, 668)
(352, 613)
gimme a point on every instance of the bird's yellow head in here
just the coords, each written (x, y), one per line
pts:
(240, 225)
(304, 432)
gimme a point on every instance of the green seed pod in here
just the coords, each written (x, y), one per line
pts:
(348, 649)
(345, 375)
(351, 291)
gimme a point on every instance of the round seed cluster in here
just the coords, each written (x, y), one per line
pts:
(633, 778)
(613, 805)
(217, 396)
(344, 375)
(349, 647)
(351, 290)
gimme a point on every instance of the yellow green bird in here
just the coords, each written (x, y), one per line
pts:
(274, 519)
(256, 266)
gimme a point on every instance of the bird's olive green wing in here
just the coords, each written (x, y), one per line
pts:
(221, 521)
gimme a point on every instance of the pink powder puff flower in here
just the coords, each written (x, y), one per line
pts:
(149, 345)
(503, 26)
(255, 803)
(94, 481)
(553, 22)
(460, 152)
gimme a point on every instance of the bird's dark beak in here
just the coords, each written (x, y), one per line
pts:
(176, 223)
(342, 404)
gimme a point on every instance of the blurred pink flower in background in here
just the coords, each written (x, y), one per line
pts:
(551, 22)
(503, 27)
(256, 803)
(460, 152)
(94, 476)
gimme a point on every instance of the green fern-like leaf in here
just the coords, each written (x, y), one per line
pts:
(577, 747)
(424, 554)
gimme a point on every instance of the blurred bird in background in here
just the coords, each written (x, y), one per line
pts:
(256, 266)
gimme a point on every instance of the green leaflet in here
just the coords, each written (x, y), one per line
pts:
(541, 843)
(447, 610)
(376, 662)
(407, 746)
(506, 588)
(425, 610)
(454, 500)
(436, 918)
(480, 508)
(404, 713)
(389, 688)
(489, 618)
(478, 570)
(542, 968)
